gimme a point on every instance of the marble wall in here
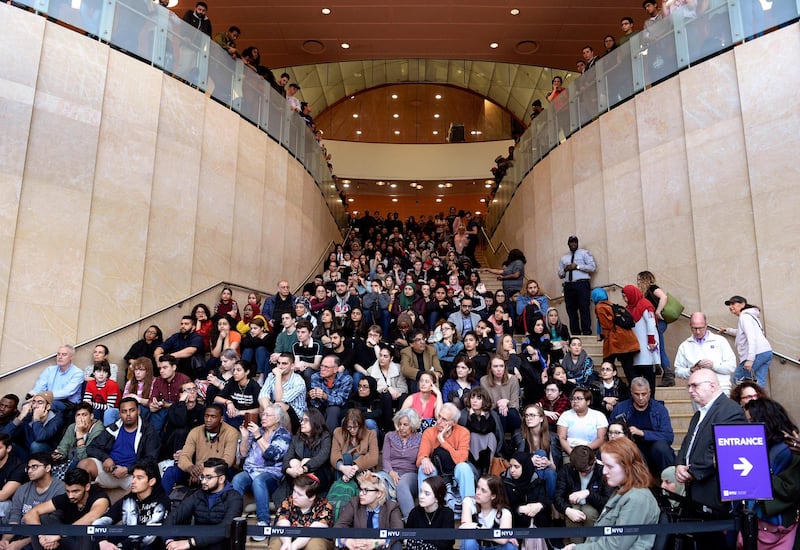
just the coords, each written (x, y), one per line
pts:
(124, 191)
(695, 179)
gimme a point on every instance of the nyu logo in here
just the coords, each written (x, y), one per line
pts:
(613, 531)
(92, 530)
(386, 534)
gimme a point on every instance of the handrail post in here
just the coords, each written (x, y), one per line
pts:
(238, 536)
(749, 529)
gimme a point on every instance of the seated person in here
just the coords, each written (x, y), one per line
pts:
(81, 504)
(427, 402)
(146, 504)
(303, 508)
(526, 492)
(488, 509)
(581, 425)
(102, 392)
(166, 390)
(608, 390)
(112, 454)
(370, 509)
(578, 365)
(63, 380)
(286, 388)
(354, 447)
(462, 379)
(37, 427)
(77, 438)
(139, 385)
(444, 451)
(649, 424)
(485, 430)
(367, 401)
(8, 409)
(100, 353)
(12, 476)
(330, 390)
(214, 439)
(310, 452)
(240, 395)
(220, 375)
(41, 487)
(182, 417)
(581, 507)
(391, 384)
(419, 356)
(433, 513)
(263, 446)
(217, 504)
(503, 387)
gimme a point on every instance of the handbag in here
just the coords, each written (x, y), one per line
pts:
(672, 311)
(535, 544)
(772, 537)
(499, 465)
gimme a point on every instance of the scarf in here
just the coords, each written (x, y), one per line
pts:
(407, 302)
(637, 304)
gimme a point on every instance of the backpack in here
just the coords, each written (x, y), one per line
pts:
(622, 317)
(340, 493)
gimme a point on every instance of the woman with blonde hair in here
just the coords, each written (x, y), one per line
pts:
(632, 502)
(371, 509)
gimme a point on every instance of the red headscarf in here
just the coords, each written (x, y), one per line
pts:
(637, 303)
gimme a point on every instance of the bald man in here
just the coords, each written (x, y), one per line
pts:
(696, 466)
(704, 349)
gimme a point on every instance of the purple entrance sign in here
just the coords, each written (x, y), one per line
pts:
(742, 461)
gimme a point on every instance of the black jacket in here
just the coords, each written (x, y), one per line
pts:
(195, 507)
(147, 443)
(569, 481)
(204, 25)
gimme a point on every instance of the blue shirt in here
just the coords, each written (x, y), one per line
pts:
(123, 453)
(64, 385)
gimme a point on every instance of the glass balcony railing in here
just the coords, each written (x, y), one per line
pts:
(158, 36)
(689, 35)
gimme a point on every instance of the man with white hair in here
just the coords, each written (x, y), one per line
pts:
(445, 446)
(705, 350)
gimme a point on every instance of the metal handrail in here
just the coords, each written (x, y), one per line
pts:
(488, 241)
(136, 321)
(320, 259)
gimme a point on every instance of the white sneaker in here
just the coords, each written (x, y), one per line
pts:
(260, 538)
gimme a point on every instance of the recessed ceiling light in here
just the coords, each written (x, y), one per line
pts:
(355, 212)
(346, 185)
(397, 132)
(413, 184)
(440, 186)
(473, 132)
(352, 97)
(438, 200)
(355, 115)
(515, 11)
(477, 213)
(448, 185)
(380, 183)
(392, 185)
(494, 45)
(438, 96)
(394, 96)
(478, 132)
(495, 200)
(394, 200)
(346, 46)
(351, 199)
(345, 181)
(436, 115)
(436, 132)
(419, 187)
(487, 185)
(483, 200)
(489, 181)
(358, 132)
(326, 11)
(395, 115)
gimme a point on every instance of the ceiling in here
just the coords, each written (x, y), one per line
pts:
(545, 33)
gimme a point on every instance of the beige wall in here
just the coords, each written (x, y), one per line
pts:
(123, 190)
(697, 180)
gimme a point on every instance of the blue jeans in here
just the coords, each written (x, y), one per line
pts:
(471, 544)
(661, 326)
(261, 358)
(262, 485)
(381, 318)
(549, 475)
(173, 476)
(760, 369)
(464, 474)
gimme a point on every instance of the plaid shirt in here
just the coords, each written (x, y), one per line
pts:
(338, 392)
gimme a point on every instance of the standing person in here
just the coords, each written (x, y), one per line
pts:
(646, 282)
(646, 362)
(198, 18)
(696, 463)
(576, 269)
(632, 503)
(217, 504)
(513, 272)
(618, 343)
(755, 353)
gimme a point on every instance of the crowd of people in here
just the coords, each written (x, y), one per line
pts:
(393, 390)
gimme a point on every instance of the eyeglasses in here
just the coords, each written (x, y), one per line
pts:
(364, 491)
(578, 398)
(190, 390)
(698, 328)
(615, 432)
(695, 386)
(33, 467)
(204, 477)
(533, 415)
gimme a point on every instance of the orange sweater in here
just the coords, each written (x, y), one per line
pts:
(457, 444)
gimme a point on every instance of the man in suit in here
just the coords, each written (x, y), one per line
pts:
(464, 319)
(419, 356)
(696, 465)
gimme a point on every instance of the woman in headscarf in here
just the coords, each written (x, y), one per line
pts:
(527, 497)
(648, 359)
(618, 343)
(408, 299)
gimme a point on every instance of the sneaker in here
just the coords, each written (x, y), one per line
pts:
(260, 538)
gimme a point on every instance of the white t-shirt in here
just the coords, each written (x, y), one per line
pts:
(582, 430)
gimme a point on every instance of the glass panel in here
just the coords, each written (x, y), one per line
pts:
(135, 27)
(615, 76)
(708, 32)
(186, 51)
(275, 108)
(761, 15)
(660, 60)
(253, 87)
(221, 72)
(84, 14)
(585, 91)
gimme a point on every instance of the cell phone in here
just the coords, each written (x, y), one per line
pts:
(250, 417)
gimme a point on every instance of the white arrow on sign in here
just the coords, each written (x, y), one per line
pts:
(744, 465)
